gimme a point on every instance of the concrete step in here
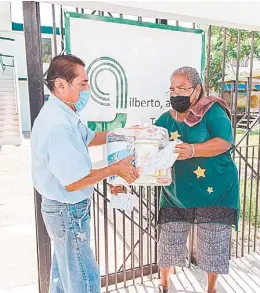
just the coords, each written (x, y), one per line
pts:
(6, 127)
(4, 109)
(7, 87)
(7, 98)
(6, 81)
(12, 140)
(5, 76)
(6, 94)
(7, 111)
(9, 121)
(8, 116)
(9, 133)
(7, 102)
(8, 106)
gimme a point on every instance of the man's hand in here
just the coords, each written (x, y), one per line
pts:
(184, 150)
(126, 170)
(117, 189)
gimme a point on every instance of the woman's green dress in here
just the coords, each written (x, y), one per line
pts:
(203, 189)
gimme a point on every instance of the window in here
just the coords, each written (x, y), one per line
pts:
(46, 50)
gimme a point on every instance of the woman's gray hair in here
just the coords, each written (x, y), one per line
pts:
(191, 73)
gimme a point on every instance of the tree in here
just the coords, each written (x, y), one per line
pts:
(216, 54)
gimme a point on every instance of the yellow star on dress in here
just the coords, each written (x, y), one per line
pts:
(175, 135)
(200, 172)
(210, 190)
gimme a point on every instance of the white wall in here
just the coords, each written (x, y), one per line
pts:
(5, 15)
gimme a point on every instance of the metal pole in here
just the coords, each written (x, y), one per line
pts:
(62, 29)
(236, 85)
(208, 61)
(223, 61)
(247, 138)
(32, 33)
(105, 232)
(54, 30)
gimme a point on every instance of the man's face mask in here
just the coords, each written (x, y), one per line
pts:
(181, 103)
(83, 100)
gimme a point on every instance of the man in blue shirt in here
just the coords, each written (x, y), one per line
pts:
(62, 173)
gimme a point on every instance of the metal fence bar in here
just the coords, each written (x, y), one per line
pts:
(250, 203)
(98, 225)
(257, 192)
(236, 87)
(62, 29)
(105, 232)
(247, 139)
(140, 233)
(239, 176)
(208, 61)
(150, 230)
(32, 34)
(133, 246)
(54, 30)
(115, 246)
(94, 219)
(223, 61)
(124, 253)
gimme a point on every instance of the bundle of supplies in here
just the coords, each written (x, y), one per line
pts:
(154, 153)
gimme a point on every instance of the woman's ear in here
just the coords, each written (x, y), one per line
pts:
(198, 91)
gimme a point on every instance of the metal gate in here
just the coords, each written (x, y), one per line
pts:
(125, 244)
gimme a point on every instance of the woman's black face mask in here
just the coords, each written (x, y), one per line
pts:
(181, 103)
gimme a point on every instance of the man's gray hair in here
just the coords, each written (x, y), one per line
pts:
(191, 73)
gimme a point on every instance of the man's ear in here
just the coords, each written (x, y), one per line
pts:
(59, 83)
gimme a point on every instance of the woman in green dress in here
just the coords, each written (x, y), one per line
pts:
(205, 187)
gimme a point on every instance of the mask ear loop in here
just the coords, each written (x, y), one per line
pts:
(196, 99)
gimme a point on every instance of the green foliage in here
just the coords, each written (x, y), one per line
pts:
(216, 54)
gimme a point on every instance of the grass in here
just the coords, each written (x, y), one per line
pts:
(245, 193)
(250, 200)
(253, 141)
(253, 138)
(255, 132)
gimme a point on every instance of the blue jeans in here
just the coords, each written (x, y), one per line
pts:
(74, 269)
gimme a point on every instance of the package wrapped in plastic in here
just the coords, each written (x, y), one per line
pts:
(154, 153)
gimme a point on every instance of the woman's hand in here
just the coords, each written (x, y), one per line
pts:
(185, 151)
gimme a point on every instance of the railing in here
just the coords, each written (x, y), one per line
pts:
(8, 61)
(125, 244)
(3, 63)
(3, 66)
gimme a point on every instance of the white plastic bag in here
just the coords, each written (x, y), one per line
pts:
(122, 201)
(164, 159)
(152, 149)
